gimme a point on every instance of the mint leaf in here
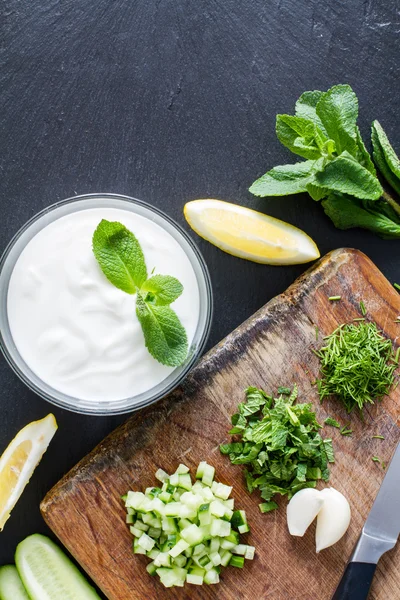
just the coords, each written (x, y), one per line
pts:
(347, 212)
(385, 157)
(300, 135)
(286, 179)
(363, 155)
(119, 255)
(346, 175)
(316, 192)
(162, 289)
(306, 105)
(391, 157)
(164, 335)
(338, 111)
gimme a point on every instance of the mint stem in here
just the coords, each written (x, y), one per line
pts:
(395, 205)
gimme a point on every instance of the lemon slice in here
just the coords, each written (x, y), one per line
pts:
(20, 459)
(249, 234)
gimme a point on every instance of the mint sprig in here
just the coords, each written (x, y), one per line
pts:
(338, 169)
(121, 258)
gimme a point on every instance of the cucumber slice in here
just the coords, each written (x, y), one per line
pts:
(11, 586)
(48, 574)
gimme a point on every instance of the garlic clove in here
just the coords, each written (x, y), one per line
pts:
(302, 510)
(333, 519)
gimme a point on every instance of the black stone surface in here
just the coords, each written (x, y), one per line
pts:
(170, 100)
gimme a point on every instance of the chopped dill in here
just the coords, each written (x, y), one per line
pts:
(332, 298)
(363, 309)
(397, 286)
(316, 332)
(346, 430)
(378, 437)
(357, 365)
(376, 459)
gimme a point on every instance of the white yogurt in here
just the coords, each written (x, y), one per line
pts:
(73, 328)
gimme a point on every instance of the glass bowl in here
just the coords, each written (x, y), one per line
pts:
(72, 205)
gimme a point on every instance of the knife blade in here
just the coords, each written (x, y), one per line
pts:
(379, 534)
(382, 527)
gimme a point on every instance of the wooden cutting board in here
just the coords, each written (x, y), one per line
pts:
(272, 348)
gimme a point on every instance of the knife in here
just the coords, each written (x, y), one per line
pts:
(379, 535)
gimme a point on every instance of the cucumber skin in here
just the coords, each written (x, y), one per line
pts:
(11, 586)
(87, 592)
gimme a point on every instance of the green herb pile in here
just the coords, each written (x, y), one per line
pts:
(338, 168)
(122, 261)
(357, 365)
(279, 442)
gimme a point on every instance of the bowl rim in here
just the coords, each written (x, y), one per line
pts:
(164, 387)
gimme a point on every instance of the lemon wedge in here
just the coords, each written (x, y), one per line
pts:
(249, 234)
(19, 461)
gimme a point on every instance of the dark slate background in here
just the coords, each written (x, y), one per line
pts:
(171, 100)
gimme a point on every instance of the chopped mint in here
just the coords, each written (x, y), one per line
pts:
(279, 443)
(332, 422)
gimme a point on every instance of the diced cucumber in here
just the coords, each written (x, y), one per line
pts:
(208, 475)
(180, 561)
(135, 531)
(238, 518)
(220, 528)
(154, 532)
(221, 490)
(186, 529)
(153, 553)
(237, 561)
(179, 547)
(239, 549)
(151, 568)
(211, 576)
(168, 525)
(137, 549)
(172, 509)
(146, 542)
(46, 572)
(250, 551)
(174, 479)
(140, 525)
(225, 558)
(182, 469)
(11, 586)
(196, 571)
(163, 560)
(200, 469)
(165, 497)
(194, 579)
(217, 508)
(199, 550)
(226, 545)
(192, 534)
(185, 481)
(215, 558)
(161, 475)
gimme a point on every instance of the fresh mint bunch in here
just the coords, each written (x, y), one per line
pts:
(338, 169)
(122, 261)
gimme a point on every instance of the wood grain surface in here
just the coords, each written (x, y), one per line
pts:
(271, 348)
